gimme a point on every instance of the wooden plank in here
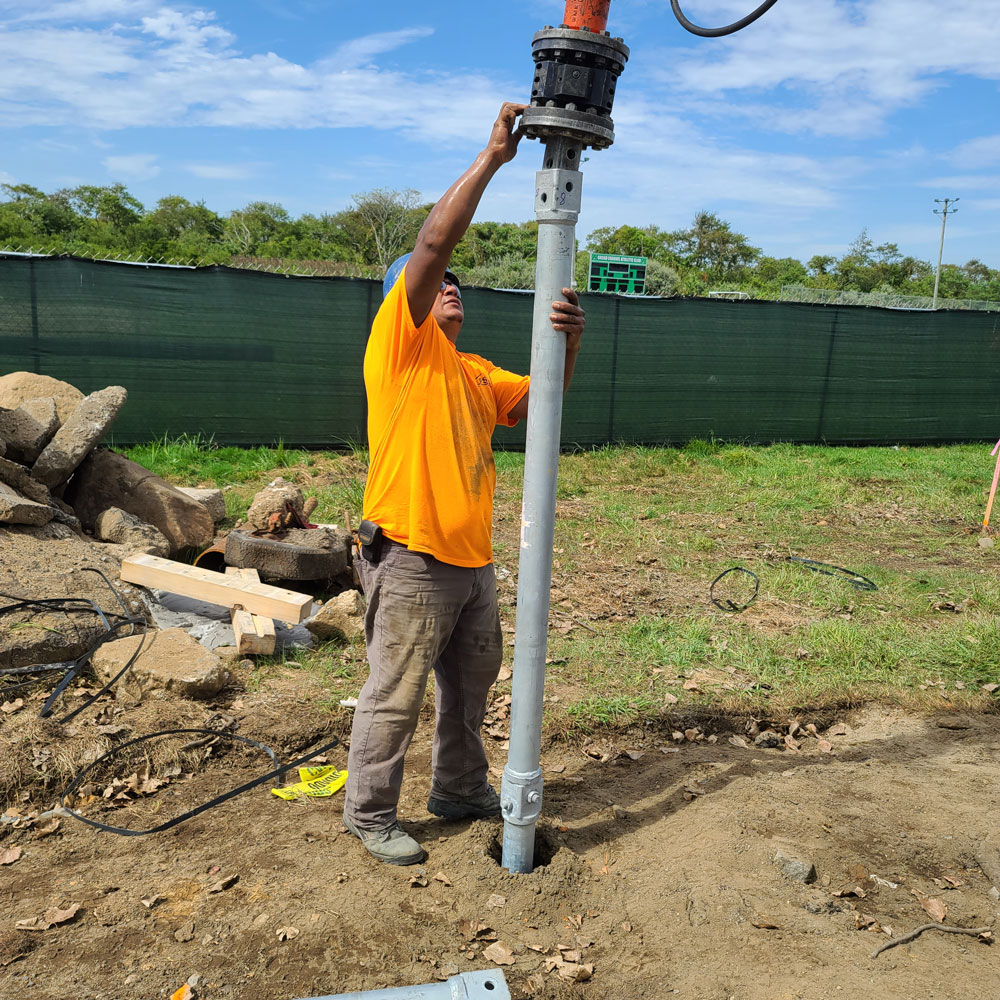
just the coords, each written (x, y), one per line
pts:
(255, 634)
(216, 588)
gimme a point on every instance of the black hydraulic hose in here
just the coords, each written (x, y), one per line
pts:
(732, 605)
(728, 29)
(109, 637)
(191, 813)
(73, 668)
(828, 569)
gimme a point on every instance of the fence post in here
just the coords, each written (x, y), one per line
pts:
(826, 377)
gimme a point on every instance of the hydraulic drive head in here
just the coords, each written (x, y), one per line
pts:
(576, 72)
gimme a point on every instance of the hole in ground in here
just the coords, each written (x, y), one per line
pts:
(545, 848)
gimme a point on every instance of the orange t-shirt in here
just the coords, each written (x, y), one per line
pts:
(431, 414)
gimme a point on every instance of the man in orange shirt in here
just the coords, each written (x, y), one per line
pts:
(427, 561)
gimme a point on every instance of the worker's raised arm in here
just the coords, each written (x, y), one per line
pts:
(451, 216)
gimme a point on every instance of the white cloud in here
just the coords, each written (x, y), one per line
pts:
(176, 67)
(77, 10)
(220, 171)
(133, 166)
(360, 51)
(981, 152)
(956, 184)
(849, 63)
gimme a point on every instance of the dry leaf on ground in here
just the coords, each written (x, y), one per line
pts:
(287, 933)
(473, 930)
(150, 901)
(12, 706)
(50, 918)
(499, 953)
(419, 882)
(9, 856)
(936, 909)
(496, 901)
(442, 878)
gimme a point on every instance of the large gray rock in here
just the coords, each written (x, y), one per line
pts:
(270, 507)
(122, 528)
(79, 435)
(16, 509)
(213, 500)
(44, 411)
(19, 387)
(796, 869)
(170, 660)
(20, 479)
(106, 479)
(23, 435)
(341, 619)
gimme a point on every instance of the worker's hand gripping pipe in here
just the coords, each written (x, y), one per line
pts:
(576, 70)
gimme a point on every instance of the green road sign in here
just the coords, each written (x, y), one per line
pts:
(611, 272)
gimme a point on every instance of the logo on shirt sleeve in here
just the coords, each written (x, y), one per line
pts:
(482, 380)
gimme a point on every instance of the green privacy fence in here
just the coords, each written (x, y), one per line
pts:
(244, 357)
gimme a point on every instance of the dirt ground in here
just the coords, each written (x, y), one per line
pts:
(657, 874)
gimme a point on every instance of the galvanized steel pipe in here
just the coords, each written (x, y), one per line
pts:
(557, 208)
(488, 984)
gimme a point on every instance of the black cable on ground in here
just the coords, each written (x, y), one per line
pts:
(731, 605)
(198, 810)
(828, 569)
(75, 667)
(728, 29)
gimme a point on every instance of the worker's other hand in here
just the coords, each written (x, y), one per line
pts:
(569, 318)
(504, 139)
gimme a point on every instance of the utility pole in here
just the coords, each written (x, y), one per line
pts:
(944, 213)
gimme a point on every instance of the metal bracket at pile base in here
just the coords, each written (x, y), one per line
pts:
(488, 984)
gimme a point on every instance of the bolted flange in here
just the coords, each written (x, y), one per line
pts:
(576, 73)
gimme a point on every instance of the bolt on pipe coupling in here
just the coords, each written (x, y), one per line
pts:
(521, 796)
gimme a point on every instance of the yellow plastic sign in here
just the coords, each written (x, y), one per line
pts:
(314, 782)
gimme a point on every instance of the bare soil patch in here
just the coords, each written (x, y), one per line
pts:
(657, 867)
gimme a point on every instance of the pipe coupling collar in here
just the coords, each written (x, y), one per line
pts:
(558, 195)
(521, 796)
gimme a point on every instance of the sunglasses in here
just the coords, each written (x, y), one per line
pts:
(446, 283)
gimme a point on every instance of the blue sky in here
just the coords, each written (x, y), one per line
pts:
(824, 117)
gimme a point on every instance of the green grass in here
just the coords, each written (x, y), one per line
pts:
(640, 534)
(332, 477)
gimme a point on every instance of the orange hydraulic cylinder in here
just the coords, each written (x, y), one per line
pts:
(589, 14)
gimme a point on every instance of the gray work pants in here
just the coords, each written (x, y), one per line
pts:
(422, 614)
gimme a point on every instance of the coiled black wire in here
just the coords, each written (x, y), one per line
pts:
(727, 29)
(73, 668)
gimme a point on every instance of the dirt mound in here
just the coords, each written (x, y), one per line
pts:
(656, 869)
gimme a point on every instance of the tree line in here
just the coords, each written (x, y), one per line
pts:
(379, 225)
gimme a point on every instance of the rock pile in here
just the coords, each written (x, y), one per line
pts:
(50, 471)
(60, 499)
